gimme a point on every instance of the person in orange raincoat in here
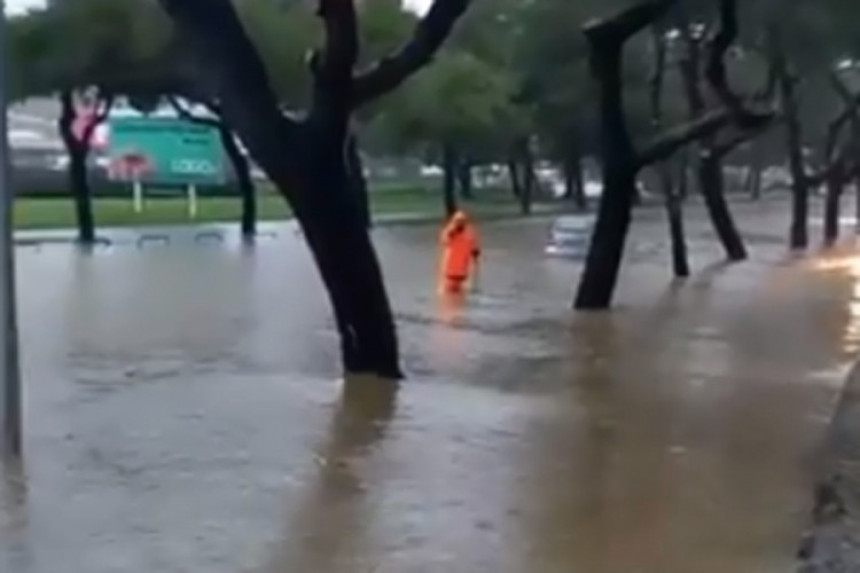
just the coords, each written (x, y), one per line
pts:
(461, 249)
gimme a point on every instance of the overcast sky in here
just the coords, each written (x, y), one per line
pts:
(14, 6)
(418, 5)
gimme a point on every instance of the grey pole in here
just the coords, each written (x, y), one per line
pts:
(10, 369)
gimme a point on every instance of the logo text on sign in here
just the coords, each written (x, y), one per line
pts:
(193, 167)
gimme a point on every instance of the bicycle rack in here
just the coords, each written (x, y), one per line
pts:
(144, 239)
(209, 235)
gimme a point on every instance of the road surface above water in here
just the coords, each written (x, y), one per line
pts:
(184, 412)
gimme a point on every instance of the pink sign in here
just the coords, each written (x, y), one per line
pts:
(85, 118)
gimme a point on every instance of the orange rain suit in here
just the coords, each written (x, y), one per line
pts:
(461, 248)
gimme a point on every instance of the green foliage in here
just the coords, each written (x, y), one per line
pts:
(512, 68)
(459, 100)
(73, 44)
(283, 36)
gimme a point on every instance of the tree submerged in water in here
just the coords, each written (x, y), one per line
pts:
(306, 155)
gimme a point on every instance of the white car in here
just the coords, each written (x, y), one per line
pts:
(569, 236)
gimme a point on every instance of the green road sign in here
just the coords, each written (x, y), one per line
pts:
(164, 151)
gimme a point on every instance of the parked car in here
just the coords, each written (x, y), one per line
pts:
(569, 236)
(775, 178)
(593, 188)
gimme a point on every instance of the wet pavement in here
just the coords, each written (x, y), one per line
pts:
(184, 412)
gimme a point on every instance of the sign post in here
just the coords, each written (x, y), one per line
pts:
(10, 369)
(137, 192)
(192, 201)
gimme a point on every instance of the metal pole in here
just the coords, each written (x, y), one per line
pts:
(10, 369)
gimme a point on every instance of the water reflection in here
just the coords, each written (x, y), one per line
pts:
(451, 306)
(849, 266)
(14, 516)
(668, 436)
(328, 532)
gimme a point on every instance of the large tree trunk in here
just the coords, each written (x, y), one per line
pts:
(337, 234)
(710, 167)
(675, 212)
(244, 181)
(711, 184)
(619, 165)
(306, 155)
(78, 179)
(621, 161)
(79, 182)
(835, 181)
(675, 216)
(799, 236)
(449, 179)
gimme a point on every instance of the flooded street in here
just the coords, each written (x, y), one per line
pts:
(184, 412)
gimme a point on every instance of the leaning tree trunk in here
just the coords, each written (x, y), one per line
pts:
(711, 184)
(244, 181)
(799, 235)
(671, 196)
(621, 161)
(675, 216)
(305, 155)
(710, 167)
(337, 234)
(449, 179)
(78, 179)
(835, 181)
(619, 185)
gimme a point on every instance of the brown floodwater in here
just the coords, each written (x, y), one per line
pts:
(184, 412)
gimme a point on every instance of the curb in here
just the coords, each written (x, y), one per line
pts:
(29, 238)
(831, 544)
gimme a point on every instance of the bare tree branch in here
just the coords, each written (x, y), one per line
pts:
(391, 71)
(739, 138)
(674, 139)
